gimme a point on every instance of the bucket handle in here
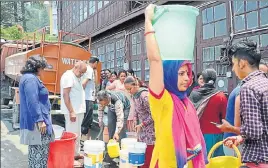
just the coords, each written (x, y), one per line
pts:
(159, 11)
(221, 143)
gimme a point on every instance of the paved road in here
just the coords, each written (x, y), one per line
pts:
(13, 154)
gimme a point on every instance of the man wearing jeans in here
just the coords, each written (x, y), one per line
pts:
(73, 101)
(89, 80)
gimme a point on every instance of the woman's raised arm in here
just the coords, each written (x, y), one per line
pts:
(156, 81)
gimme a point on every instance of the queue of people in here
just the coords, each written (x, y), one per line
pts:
(179, 118)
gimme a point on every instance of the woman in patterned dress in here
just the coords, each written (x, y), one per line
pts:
(145, 128)
(35, 122)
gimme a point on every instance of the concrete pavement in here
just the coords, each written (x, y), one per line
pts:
(13, 154)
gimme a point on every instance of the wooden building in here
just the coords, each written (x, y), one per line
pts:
(116, 29)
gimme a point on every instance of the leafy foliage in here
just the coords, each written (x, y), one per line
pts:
(11, 33)
(31, 15)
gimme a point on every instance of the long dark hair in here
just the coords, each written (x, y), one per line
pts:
(122, 71)
(34, 63)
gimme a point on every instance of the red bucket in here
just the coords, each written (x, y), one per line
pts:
(61, 152)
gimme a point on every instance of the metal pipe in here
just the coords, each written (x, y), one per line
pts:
(42, 43)
(17, 46)
(89, 43)
(27, 42)
(57, 66)
(34, 40)
(69, 33)
(251, 31)
(232, 23)
(22, 41)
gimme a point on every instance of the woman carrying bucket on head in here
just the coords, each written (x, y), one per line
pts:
(145, 129)
(178, 135)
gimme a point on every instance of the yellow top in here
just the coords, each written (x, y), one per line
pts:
(162, 110)
(161, 107)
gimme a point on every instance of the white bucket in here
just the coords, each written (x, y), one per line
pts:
(93, 150)
(58, 131)
(124, 160)
(125, 142)
(136, 155)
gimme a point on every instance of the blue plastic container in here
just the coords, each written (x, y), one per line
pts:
(136, 155)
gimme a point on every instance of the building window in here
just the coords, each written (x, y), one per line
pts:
(99, 5)
(147, 71)
(263, 15)
(214, 21)
(263, 4)
(136, 66)
(74, 13)
(93, 52)
(85, 9)
(136, 43)
(102, 57)
(264, 40)
(91, 7)
(106, 2)
(110, 56)
(210, 55)
(81, 10)
(120, 54)
(247, 14)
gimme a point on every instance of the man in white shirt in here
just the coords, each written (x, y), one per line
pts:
(73, 101)
(89, 81)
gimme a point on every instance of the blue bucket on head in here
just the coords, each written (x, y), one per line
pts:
(136, 155)
(175, 27)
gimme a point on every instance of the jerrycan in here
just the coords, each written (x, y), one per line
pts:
(175, 27)
(113, 148)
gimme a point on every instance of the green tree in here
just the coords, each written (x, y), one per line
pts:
(11, 33)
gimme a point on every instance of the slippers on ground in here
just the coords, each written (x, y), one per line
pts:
(78, 164)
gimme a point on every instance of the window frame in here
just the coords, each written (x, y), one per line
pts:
(92, 8)
(245, 14)
(214, 21)
(119, 53)
(100, 2)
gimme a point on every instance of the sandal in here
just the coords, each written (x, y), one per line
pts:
(78, 164)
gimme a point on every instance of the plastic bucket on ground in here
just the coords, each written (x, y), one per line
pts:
(125, 142)
(113, 148)
(123, 159)
(61, 152)
(136, 155)
(175, 25)
(93, 153)
(58, 131)
(224, 161)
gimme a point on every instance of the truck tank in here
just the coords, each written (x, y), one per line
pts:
(60, 57)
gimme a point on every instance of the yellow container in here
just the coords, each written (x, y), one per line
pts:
(113, 148)
(224, 161)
